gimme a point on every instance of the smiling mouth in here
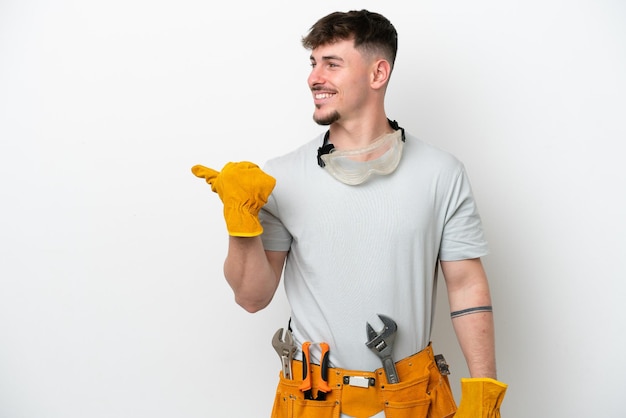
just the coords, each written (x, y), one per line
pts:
(321, 96)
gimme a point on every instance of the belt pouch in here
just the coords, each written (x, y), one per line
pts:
(422, 392)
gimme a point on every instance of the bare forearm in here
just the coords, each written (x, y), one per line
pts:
(249, 273)
(469, 297)
(475, 333)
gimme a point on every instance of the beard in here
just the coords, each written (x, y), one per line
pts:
(327, 119)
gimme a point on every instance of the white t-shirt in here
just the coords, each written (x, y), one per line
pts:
(358, 251)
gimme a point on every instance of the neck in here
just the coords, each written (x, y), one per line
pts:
(346, 135)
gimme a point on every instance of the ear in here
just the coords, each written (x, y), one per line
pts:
(381, 70)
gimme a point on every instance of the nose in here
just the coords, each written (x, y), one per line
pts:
(315, 77)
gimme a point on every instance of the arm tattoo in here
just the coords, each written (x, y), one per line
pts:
(469, 311)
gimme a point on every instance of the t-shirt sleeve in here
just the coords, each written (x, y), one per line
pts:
(463, 237)
(275, 236)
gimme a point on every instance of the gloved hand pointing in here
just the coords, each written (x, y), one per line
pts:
(243, 188)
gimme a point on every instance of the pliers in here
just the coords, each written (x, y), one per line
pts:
(307, 387)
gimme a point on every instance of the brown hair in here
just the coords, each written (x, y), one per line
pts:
(372, 32)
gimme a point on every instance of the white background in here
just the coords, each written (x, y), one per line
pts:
(112, 298)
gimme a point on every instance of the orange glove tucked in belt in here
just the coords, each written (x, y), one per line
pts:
(480, 398)
(244, 189)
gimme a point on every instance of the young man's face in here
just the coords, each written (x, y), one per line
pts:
(339, 81)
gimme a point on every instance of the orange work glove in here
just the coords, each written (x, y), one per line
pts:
(244, 189)
(480, 398)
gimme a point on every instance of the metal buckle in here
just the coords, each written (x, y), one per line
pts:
(442, 365)
(359, 381)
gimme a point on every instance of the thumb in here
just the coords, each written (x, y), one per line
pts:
(204, 172)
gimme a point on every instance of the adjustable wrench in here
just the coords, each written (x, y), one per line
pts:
(285, 348)
(381, 343)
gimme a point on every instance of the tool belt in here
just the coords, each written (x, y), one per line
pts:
(422, 391)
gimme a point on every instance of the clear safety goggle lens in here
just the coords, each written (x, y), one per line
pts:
(353, 167)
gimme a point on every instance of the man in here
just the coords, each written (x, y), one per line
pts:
(357, 222)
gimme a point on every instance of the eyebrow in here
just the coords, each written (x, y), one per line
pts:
(328, 58)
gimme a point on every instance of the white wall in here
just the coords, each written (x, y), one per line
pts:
(112, 300)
